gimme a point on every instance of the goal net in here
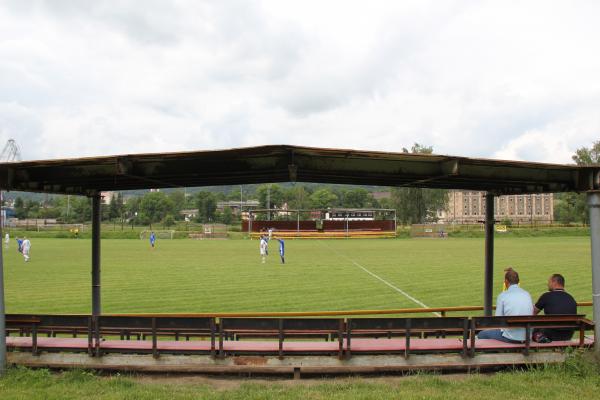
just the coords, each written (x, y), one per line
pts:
(210, 231)
(168, 234)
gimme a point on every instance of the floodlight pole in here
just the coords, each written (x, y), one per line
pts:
(489, 255)
(2, 309)
(250, 223)
(593, 199)
(96, 220)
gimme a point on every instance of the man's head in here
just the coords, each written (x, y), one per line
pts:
(556, 281)
(511, 277)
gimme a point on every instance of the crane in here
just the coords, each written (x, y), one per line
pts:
(11, 152)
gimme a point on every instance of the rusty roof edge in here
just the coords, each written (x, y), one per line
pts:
(297, 150)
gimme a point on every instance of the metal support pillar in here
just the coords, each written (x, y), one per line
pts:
(593, 199)
(96, 208)
(489, 255)
(2, 310)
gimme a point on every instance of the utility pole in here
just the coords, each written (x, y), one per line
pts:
(269, 202)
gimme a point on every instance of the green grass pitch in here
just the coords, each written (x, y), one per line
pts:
(227, 275)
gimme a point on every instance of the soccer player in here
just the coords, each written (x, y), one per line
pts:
(26, 246)
(281, 250)
(263, 248)
(19, 244)
(152, 239)
(6, 240)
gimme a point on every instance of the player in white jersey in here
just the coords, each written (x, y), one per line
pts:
(26, 247)
(263, 248)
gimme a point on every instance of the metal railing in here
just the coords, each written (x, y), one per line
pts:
(443, 311)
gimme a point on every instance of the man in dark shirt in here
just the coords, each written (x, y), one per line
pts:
(556, 301)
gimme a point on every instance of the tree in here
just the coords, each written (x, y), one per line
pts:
(132, 207)
(270, 195)
(32, 208)
(20, 210)
(113, 208)
(227, 216)
(168, 220)
(81, 209)
(207, 206)
(572, 207)
(323, 198)
(416, 205)
(569, 207)
(179, 202)
(154, 206)
(355, 198)
(585, 156)
(234, 195)
(298, 197)
(120, 206)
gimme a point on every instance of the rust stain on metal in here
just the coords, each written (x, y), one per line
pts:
(250, 361)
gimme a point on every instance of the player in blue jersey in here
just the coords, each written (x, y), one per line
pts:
(152, 239)
(281, 250)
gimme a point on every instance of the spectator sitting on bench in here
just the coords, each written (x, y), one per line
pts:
(514, 301)
(555, 301)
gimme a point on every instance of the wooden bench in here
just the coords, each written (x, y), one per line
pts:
(407, 327)
(153, 327)
(528, 322)
(36, 324)
(282, 328)
(352, 335)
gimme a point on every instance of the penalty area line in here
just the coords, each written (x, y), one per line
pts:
(397, 289)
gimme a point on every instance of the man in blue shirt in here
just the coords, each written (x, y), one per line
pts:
(514, 301)
(281, 250)
(152, 239)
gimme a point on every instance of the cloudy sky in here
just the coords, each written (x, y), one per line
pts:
(500, 79)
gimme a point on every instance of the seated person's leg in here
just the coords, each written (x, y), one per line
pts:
(494, 334)
(490, 334)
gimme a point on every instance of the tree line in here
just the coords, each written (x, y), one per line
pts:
(166, 207)
(572, 207)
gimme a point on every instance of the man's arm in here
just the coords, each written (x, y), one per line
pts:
(499, 306)
(539, 306)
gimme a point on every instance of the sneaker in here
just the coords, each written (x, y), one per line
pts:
(539, 337)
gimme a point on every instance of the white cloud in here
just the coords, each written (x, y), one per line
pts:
(484, 79)
(551, 143)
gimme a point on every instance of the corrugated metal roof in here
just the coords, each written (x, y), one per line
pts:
(283, 163)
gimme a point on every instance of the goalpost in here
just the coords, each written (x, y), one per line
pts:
(162, 234)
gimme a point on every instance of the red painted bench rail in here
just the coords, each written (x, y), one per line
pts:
(358, 345)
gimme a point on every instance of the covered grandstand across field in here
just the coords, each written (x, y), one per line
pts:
(91, 176)
(325, 224)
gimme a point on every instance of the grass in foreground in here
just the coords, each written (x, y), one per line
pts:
(574, 380)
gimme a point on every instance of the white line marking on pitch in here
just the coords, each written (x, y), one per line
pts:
(402, 292)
